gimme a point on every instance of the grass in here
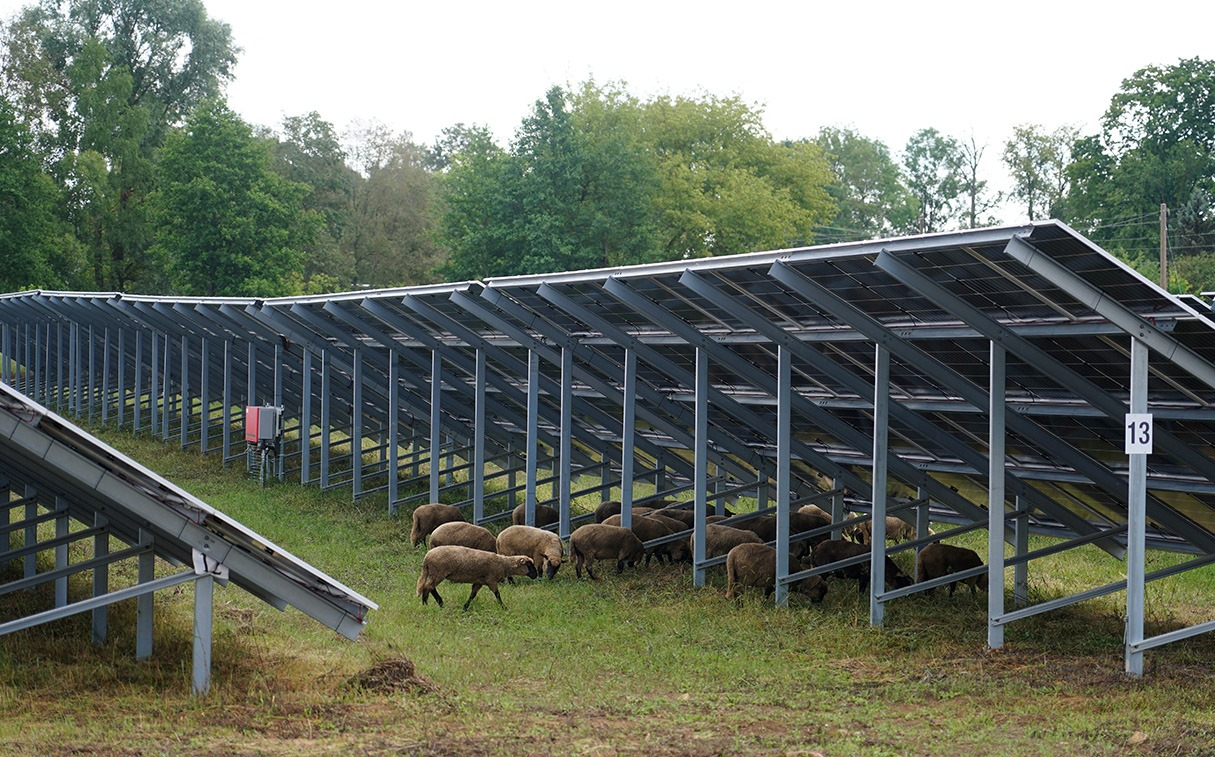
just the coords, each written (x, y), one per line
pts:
(639, 662)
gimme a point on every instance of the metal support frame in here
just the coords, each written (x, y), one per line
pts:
(784, 434)
(1136, 523)
(567, 433)
(627, 438)
(881, 449)
(478, 463)
(436, 422)
(995, 498)
(701, 472)
(532, 452)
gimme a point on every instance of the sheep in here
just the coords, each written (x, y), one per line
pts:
(606, 510)
(545, 516)
(684, 511)
(426, 518)
(595, 541)
(939, 559)
(719, 540)
(835, 550)
(615, 519)
(799, 522)
(544, 547)
(815, 510)
(464, 535)
(652, 526)
(897, 530)
(469, 566)
(755, 565)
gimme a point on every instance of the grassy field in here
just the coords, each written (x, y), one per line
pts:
(637, 663)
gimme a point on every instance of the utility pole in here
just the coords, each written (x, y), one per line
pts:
(1164, 231)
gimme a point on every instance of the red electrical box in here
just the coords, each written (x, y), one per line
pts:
(262, 423)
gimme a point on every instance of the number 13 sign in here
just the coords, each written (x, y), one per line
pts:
(1138, 429)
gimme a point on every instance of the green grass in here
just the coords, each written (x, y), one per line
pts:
(640, 662)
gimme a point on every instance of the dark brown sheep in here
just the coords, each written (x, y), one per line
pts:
(426, 518)
(755, 565)
(834, 550)
(937, 560)
(652, 526)
(596, 541)
(545, 516)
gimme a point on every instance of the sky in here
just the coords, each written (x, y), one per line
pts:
(885, 68)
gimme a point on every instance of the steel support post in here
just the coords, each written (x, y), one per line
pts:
(700, 466)
(166, 383)
(204, 396)
(838, 511)
(1021, 569)
(567, 434)
(143, 605)
(92, 382)
(6, 537)
(627, 438)
(281, 462)
(120, 377)
(105, 377)
(922, 514)
(881, 448)
(512, 477)
(326, 407)
(137, 408)
(204, 590)
(226, 426)
(533, 451)
(183, 404)
(995, 498)
(31, 531)
(101, 578)
(356, 429)
(36, 387)
(1136, 518)
(478, 466)
(62, 526)
(8, 354)
(784, 391)
(436, 422)
(394, 431)
(60, 388)
(306, 428)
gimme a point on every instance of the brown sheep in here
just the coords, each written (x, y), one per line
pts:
(719, 540)
(595, 541)
(545, 516)
(426, 518)
(463, 534)
(652, 526)
(544, 547)
(606, 510)
(834, 550)
(799, 522)
(815, 510)
(897, 530)
(469, 566)
(755, 565)
(937, 560)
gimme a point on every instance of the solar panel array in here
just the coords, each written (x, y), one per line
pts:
(585, 382)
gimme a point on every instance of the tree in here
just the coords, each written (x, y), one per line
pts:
(35, 248)
(391, 234)
(229, 224)
(478, 207)
(1038, 162)
(867, 188)
(978, 201)
(102, 82)
(307, 150)
(933, 165)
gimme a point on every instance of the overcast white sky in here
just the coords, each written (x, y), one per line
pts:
(886, 68)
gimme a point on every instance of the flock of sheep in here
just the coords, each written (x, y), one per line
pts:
(461, 552)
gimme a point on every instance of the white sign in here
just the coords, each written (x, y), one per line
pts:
(1138, 429)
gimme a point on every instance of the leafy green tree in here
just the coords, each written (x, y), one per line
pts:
(307, 150)
(391, 236)
(478, 206)
(977, 200)
(102, 82)
(35, 248)
(230, 225)
(1038, 162)
(933, 165)
(867, 188)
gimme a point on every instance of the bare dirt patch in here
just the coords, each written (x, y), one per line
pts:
(392, 676)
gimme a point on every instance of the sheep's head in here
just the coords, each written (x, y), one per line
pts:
(813, 587)
(550, 566)
(524, 564)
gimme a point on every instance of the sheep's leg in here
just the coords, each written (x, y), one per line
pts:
(499, 596)
(588, 571)
(438, 599)
(473, 593)
(620, 566)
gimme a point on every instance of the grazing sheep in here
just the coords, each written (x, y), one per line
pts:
(545, 516)
(755, 565)
(939, 559)
(815, 510)
(618, 518)
(426, 518)
(719, 540)
(834, 550)
(544, 547)
(852, 529)
(652, 526)
(686, 512)
(469, 566)
(897, 530)
(463, 534)
(596, 541)
(799, 522)
(607, 510)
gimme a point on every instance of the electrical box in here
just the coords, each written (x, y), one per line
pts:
(262, 423)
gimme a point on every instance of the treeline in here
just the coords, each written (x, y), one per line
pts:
(122, 168)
